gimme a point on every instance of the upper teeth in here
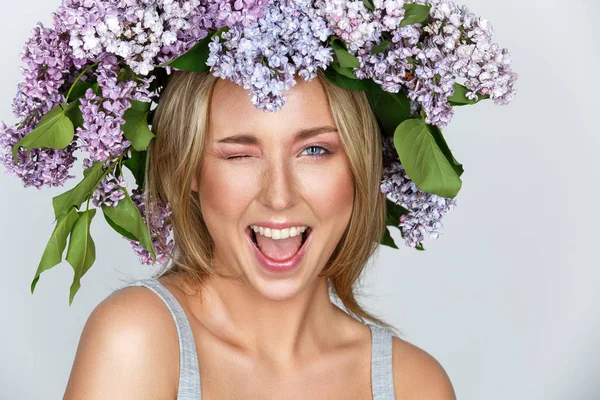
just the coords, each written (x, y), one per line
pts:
(279, 233)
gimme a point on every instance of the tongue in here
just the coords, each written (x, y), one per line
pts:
(281, 249)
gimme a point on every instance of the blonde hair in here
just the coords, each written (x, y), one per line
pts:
(174, 158)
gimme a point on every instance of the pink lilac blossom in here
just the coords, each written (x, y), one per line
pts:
(160, 230)
(49, 69)
(426, 210)
(265, 56)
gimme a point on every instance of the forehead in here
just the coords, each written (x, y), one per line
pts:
(232, 111)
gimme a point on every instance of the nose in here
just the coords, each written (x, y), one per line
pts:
(278, 184)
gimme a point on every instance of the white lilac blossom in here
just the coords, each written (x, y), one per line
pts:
(265, 56)
(146, 33)
(161, 230)
(425, 210)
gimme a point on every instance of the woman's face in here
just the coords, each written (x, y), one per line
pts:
(281, 178)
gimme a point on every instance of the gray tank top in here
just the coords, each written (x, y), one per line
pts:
(382, 379)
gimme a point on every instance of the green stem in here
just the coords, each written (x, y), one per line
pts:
(78, 78)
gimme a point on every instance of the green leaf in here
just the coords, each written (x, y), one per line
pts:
(387, 239)
(125, 74)
(79, 90)
(118, 229)
(81, 253)
(393, 212)
(420, 247)
(54, 131)
(344, 58)
(135, 129)
(137, 165)
(347, 72)
(56, 245)
(424, 162)
(74, 197)
(369, 4)
(128, 218)
(345, 82)
(195, 59)
(74, 114)
(380, 47)
(441, 142)
(391, 109)
(96, 89)
(459, 98)
(415, 14)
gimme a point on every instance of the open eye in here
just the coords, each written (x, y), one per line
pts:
(322, 154)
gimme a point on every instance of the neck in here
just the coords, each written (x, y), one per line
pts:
(278, 330)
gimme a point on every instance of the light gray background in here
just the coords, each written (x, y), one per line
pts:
(506, 300)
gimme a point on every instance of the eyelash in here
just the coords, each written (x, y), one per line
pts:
(317, 156)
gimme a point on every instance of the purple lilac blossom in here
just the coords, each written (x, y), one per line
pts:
(426, 210)
(109, 192)
(101, 134)
(426, 60)
(49, 68)
(160, 230)
(265, 56)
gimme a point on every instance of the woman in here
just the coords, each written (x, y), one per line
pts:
(258, 328)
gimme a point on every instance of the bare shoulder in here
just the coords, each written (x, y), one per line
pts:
(128, 350)
(418, 375)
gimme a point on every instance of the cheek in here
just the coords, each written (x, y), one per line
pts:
(224, 192)
(331, 190)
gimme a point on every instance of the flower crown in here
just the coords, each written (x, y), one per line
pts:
(91, 80)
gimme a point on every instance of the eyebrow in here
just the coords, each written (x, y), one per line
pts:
(249, 138)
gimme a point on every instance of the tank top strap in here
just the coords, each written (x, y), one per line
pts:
(382, 378)
(189, 374)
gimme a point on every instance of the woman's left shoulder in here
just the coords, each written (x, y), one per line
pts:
(417, 374)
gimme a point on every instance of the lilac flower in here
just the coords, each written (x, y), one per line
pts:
(160, 230)
(109, 193)
(426, 210)
(356, 24)
(146, 33)
(102, 135)
(454, 47)
(221, 13)
(264, 56)
(43, 167)
(49, 69)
